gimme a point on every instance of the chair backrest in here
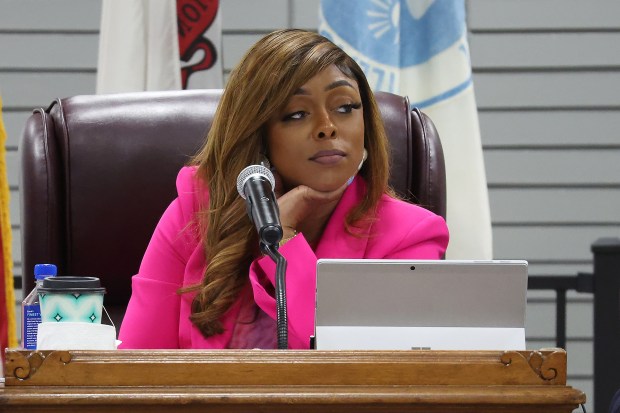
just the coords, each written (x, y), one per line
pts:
(98, 171)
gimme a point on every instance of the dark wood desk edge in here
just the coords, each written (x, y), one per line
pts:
(280, 398)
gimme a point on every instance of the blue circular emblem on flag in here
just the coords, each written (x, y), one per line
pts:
(403, 32)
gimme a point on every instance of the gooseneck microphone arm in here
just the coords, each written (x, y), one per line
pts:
(281, 316)
(256, 184)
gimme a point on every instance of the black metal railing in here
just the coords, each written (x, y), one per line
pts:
(582, 283)
(604, 284)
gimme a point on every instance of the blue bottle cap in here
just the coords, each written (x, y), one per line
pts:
(44, 270)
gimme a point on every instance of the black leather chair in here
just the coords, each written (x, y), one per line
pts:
(97, 172)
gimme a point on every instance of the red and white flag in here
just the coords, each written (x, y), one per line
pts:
(159, 45)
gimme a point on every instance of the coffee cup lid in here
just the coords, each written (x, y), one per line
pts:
(72, 283)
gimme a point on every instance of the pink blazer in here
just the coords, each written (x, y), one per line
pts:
(158, 316)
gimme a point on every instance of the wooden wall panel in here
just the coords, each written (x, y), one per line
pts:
(235, 45)
(14, 124)
(27, 90)
(550, 128)
(251, 16)
(545, 15)
(56, 15)
(547, 90)
(49, 51)
(305, 14)
(561, 167)
(549, 243)
(544, 50)
(555, 205)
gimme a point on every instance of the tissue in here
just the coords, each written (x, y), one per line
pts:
(76, 336)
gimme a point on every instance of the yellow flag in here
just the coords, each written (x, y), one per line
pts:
(7, 295)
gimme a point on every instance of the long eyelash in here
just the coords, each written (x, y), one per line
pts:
(289, 116)
(351, 106)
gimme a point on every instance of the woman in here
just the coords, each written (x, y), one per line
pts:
(299, 102)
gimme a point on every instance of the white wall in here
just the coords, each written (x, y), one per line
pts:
(547, 80)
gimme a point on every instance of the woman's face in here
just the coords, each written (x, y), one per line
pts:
(318, 138)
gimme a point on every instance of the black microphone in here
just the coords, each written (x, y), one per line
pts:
(256, 184)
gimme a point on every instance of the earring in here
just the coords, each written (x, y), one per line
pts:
(265, 162)
(364, 157)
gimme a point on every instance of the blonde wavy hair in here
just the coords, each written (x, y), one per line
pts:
(267, 76)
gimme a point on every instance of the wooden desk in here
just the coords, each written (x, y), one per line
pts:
(288, 381)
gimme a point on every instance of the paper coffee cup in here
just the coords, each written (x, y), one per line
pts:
(71, 299)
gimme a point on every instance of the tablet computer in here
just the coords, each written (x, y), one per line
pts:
(420, 304)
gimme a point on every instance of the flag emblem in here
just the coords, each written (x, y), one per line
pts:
(194, 18)
(418, 48)
(404, 33)
(404, 44)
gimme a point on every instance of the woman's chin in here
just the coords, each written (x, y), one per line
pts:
(326, 186)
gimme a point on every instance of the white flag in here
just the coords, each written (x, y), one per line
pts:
(418, 48)
(147, 45)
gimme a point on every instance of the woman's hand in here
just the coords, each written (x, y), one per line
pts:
(305, 209)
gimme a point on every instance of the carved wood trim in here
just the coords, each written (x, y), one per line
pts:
(266, 367)
(546, 365)
(283, 381)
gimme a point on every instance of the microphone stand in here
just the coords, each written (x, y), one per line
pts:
(281, 317)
